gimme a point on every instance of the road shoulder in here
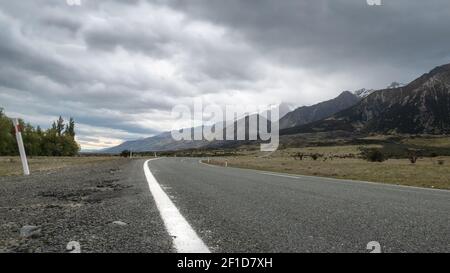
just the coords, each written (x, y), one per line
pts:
(106, 207)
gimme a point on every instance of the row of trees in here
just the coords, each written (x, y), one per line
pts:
(59, 140)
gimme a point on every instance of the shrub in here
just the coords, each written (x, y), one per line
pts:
(373, 155)
(298, 155)
(315, 156)
(441, 162)
(412, 156)
(125, 153)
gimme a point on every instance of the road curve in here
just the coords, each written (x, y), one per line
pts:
(237, 210)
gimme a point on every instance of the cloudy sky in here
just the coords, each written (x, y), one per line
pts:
(119, 66)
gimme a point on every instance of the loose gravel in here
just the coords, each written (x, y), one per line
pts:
(105, 207)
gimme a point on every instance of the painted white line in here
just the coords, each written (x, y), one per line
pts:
(185, 239)
(207, 164)
(280, 175)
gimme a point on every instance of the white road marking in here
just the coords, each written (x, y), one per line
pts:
(185, 239)
(280, 175)
(207, 164)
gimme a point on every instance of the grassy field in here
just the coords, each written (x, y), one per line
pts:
(13, 166)
(439, 142)
(427, 172)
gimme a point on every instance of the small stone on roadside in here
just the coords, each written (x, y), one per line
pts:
(30, 231)
(120, 223)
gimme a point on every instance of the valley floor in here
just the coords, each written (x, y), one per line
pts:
(108, 207)
(429, 172)
(11, 165)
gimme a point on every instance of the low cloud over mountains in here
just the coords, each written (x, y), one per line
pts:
(118, 67)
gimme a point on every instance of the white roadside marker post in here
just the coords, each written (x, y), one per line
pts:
(23, 155)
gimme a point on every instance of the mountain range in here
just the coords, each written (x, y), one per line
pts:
(301, 115)
(307, 114)
(422, 106)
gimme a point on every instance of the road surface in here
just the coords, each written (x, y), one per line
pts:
(182, 205)
(237, 210)
(81, 203)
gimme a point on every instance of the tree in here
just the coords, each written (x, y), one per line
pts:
(70, 146)
(60, 126)
(70, 128)
(58, 140)
(125, 153)
(7, 140)
(32, 140)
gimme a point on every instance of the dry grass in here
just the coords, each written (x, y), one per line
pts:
(13, 166)
(427, 172)
(326, 150)
(438, 142)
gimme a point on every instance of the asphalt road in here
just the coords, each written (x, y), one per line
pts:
(237, 210)
(228, 209)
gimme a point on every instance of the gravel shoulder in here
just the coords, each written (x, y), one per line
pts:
(105, 206)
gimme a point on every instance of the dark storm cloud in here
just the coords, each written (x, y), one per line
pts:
(63, 22)
(17, 52)
(336, 34)
(120, 66)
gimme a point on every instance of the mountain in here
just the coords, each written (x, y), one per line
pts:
(422, 106)
(302, 115)
(362, 93)
(165, 142)
(307, 114)
(161, 142)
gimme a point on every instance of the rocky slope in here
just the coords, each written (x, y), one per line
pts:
(422, 106)
(307, 114)
(161, 142)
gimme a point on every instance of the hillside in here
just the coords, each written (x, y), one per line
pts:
(165, 142)
(422, 106)
(307, 114)
(161, 142)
